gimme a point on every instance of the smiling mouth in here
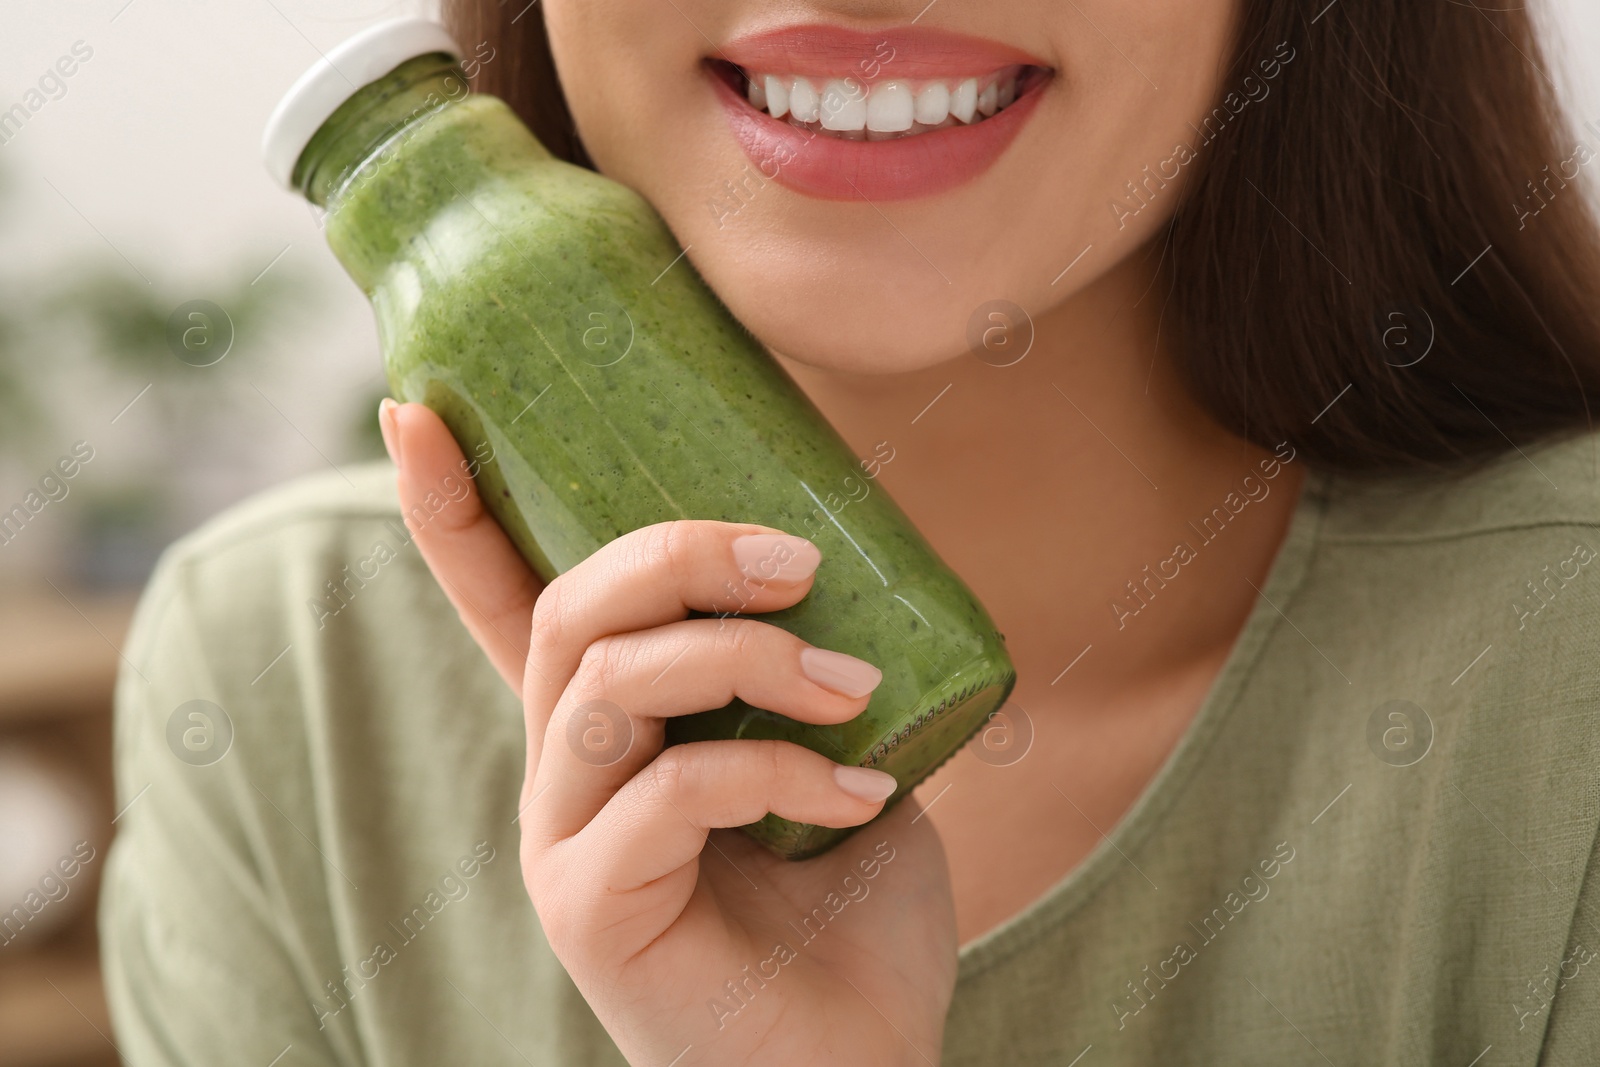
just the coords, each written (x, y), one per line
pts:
(892, 113)
(885, 109)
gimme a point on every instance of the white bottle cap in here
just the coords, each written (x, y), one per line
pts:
(338, 76)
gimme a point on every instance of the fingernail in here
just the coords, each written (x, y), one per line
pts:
(865, 783)
(839, 672)
(390, 428)
(775, 556)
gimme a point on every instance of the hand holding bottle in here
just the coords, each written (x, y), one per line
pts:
(724, 954)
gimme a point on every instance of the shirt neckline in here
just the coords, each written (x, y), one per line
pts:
(1080, 884)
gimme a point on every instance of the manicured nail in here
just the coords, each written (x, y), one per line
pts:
(864, 782)
(390, 427)
(778, 557)
(839, 672)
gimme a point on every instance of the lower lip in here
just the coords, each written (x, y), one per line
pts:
(831, 168)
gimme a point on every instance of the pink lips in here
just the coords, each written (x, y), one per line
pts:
(831, 168)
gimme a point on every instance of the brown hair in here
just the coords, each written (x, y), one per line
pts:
(1407, 187)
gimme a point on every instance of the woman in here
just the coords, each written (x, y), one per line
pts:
(1282, 490)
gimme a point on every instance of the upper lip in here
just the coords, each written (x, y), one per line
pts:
(822, 51)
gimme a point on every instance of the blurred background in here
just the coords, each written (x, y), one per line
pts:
(176, 335)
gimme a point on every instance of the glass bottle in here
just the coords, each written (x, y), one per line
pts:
(600, 386)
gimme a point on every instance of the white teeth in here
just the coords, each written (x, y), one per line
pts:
(988, 100)
(932, 104)
(964, 100)
(776, 90)
(881, 110)
(804, 103)
(844, 105)
(889, 107)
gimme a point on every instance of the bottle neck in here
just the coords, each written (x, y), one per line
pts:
(378, 118)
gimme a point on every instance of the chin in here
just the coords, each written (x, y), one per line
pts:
(876, 337)
(833, 358)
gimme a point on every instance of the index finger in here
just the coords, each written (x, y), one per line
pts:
(481, 571)
(655, 575)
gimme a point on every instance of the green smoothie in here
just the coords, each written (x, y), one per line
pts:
(530, 303)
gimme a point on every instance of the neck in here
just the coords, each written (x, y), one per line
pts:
(1051, 484)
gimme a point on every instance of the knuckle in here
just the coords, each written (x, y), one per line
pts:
(668, 775)
(748, 640)
(770, 759)
(670, 547)
(742, 638)
(548, 622)
(602, 664)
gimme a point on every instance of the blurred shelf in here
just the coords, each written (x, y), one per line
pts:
(52, 1011)
(59, 653)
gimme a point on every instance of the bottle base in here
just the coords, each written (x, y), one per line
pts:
(911, 754)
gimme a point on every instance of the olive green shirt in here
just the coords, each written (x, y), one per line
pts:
(1374, 844)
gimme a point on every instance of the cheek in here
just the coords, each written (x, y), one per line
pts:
(628, 71)
(1137, 118)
